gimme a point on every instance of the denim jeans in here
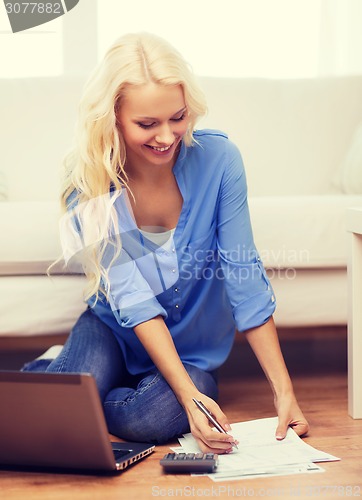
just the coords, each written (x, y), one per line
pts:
(137, 408)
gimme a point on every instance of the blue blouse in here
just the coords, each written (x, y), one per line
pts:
(207, 279)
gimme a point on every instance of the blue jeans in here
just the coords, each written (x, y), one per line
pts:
(137, 408)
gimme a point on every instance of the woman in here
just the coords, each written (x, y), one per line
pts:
(158, 214)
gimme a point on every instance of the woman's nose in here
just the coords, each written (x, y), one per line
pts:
(164, 135)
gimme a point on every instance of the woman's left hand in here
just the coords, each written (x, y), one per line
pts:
(289, 415)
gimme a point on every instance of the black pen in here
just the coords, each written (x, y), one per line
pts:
(210, 417)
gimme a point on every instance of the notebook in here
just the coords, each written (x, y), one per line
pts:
(56, 421)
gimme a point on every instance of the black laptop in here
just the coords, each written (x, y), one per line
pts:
(56, 421)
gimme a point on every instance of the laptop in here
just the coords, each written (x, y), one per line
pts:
(56, 421)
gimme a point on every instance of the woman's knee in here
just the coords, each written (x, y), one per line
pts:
(151, 412)
(148, 413)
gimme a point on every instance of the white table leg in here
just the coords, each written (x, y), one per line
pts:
(355, 326)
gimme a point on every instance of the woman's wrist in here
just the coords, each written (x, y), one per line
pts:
(186, 394)
(282, 386)
(265, 344)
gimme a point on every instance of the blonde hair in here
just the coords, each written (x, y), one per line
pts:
(95, 169)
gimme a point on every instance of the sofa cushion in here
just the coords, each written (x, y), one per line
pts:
(302, 231)
(39, 305)
(292, 134)
(33, 146)
(29, 237)
(310, 297)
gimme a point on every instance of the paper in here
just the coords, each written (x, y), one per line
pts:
(260, 454)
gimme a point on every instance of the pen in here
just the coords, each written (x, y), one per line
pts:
(210, 417)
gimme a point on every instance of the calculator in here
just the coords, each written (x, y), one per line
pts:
(189, 462)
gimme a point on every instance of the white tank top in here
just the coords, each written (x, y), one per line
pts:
(156, 236)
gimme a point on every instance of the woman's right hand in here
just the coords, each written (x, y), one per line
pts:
(208, 439)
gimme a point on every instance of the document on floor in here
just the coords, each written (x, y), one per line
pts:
(260, 454)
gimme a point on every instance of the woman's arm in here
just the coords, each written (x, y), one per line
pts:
(156, 339)
(250, 292)
(265, 344)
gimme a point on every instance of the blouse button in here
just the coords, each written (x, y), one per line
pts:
(177, 306)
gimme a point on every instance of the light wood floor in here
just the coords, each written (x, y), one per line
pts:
(323, 398)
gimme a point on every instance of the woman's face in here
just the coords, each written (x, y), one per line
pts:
(152, 119)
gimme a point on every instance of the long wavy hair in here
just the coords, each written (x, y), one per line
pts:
(94, 171)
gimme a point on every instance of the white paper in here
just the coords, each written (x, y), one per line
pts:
(284, 470)
(259, 453)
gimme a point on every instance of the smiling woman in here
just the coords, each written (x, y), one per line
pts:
(162, 313)
(153, 119)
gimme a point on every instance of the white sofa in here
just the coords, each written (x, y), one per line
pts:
(301, 143)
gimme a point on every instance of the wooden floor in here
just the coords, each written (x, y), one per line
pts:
(323, 397)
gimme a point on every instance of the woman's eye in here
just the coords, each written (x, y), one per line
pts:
(145, 125)
(180, 118)
(150, 125)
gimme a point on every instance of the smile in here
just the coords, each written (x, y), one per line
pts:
(161, 150)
